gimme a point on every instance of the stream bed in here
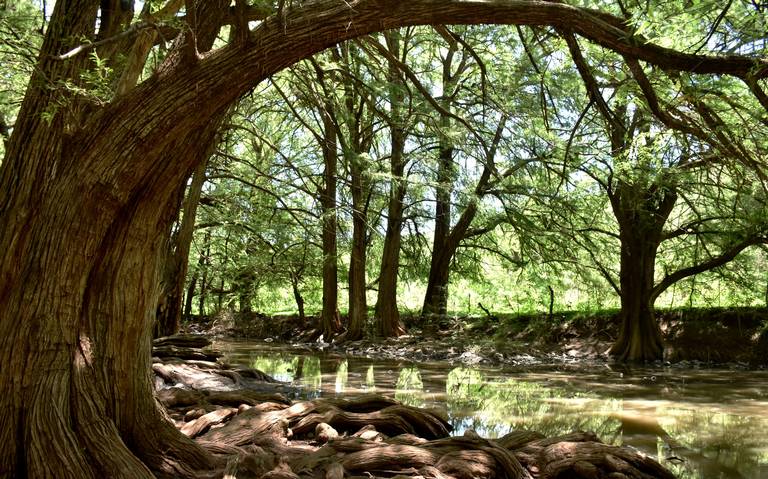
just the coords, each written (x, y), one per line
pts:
(702, 423)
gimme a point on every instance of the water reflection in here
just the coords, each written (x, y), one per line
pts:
(701, 424)
(409, 388)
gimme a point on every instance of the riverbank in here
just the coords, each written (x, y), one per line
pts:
(729, 337)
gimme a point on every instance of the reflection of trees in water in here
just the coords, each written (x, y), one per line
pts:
(711, 444)
(304, 371)
(370, 379)
(409, 388)
(342, 376)
(717, 444)
(281, 367)
(495, 406)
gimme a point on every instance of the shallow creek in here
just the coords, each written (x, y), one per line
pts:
(701, 423)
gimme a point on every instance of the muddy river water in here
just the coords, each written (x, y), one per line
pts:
(701, 423)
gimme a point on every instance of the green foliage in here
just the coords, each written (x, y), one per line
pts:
(20, 39)
(548, 212)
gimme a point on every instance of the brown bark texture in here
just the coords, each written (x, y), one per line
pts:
(176, 261)
(331, 322)
(641, 212)
(87, 194)
(387, 314)
(436, 297)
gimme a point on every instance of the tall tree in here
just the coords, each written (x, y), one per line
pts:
(355, 129)
(387, 314)
(644, 179)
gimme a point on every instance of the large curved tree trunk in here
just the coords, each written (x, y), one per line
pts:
(80, 284)
(86, 193)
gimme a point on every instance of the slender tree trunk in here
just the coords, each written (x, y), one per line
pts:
(221, 290)
(298, 297)
(436, 298)
(177, 257)
(387, 313)
(356, 144)
(205, 263)
(358, 307)
(331, 322)
(189, 296)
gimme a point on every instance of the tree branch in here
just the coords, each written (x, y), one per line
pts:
(593, 90)
(714, 262)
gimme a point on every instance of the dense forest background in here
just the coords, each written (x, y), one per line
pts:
(490, 153)
(486, 150)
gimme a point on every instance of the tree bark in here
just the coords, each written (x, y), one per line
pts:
(204, 263)
(387, 314)
(331, 322)
(298, 297)
(169, 309)
(436, 298)
(357, 146)
(358, 305)
(641, 212)
(189, 295)
(448, 239)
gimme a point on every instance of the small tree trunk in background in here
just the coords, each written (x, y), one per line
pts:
(189, 296)
(297, 297)
(387, 314)
(331, 323)
(177, 257)
(204, 262)
(220, 291)
(551, 301)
